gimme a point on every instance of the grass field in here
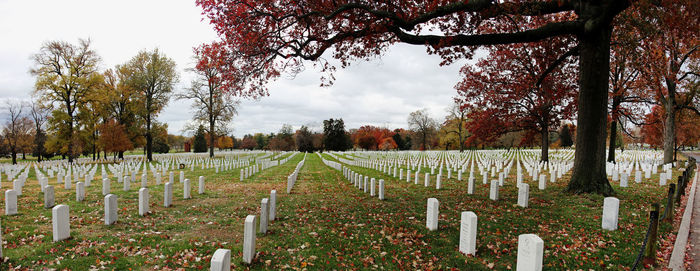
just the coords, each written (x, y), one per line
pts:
(325, 224)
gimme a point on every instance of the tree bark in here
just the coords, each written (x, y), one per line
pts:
(669, 128)
(149, 139)
(613, 138)
(211, 122)
(589, 164)
(545, 143)
(613, 127)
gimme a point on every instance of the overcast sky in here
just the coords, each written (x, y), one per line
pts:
(381, 92)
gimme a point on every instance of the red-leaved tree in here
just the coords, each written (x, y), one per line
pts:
(517, 88)
(264, 39)
(670, 61)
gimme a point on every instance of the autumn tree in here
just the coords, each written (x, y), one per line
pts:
(266, 39)
(211, 93)
(119, 101)
(152, 76)
(387, 144)
(454, 128)
(248, 142)
(39, 115)
(516, 88)
(113, 138)
(65, 74)
(423, 125)
(15, 129)
(670, 61)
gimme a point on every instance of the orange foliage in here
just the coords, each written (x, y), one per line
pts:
(113, 137)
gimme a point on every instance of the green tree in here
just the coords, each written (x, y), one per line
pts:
(199, 140)
(565, 138)
(65, 74)
(334, 136)
(152, 76)
(304, 139)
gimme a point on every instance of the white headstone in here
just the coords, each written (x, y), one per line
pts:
(542, 183)
(127, 184)
(427, 179)
(530, 253)
(221, 261)
(168, 194)
(467, 233)
(438, 182)
(249, 239)
(79, 191)
(273, 204)
(623, 180)
(186, 189)
(105, 186)
(264, 216)
(470, 186)
(431, 219)
(143, 201)
(381, 189)
(10, 202)
(60, 218)
(493, 192)
(17, 186)
(201, 185)
(523, 195)
(371, 187)
(144, 180)
(611, 207)
(110, 209)
(49, 197)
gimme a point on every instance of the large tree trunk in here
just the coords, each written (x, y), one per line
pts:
(669, 130)
(613, 127)
(149, 138)
(611, 146)
(589, 164)
(545, 144)
(70, 139)
(211, 137)
(14, 157)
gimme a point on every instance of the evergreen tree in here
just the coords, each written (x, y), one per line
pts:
(565, 137)
(334, 136)
(200, 141)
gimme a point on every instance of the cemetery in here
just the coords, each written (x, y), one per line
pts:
(347, 210)
(350, 135)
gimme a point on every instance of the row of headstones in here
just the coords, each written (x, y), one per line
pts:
(221, 260)
(361, 182)
(264, 164)
(530, 246)
(11, 207)
(60, 214)
(292, 178)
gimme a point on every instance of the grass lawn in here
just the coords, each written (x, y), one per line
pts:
(326, 224)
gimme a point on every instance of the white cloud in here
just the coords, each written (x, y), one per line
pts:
(380, 92)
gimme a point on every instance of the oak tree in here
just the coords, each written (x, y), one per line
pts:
(265, 39)
(152, 75)
(65, 74)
